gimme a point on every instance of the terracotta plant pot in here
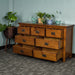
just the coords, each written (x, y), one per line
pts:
(10, 32)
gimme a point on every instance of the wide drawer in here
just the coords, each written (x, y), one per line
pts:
(24, 50)
(29, 40)
(37, 31)
(49, 43)
(24, 30)
(47, 54)
(53, 33)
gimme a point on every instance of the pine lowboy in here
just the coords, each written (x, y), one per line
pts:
(50, 42)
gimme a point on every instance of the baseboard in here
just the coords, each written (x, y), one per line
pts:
(2, 47)
(73, 55)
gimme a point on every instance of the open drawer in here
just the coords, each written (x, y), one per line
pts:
(23, 49)
(47, 54)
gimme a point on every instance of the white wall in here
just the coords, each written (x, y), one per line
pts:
(11, 6)
(4, 7)
(26, 8)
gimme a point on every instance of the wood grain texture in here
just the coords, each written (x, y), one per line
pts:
(24, 50)
(28, 40)
(71, 41)
(52, 42)
(48, 54)
(44, 25)
(49, 43)
(24, 30)
(54, 33)
(37, 31)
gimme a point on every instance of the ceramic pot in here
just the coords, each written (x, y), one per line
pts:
(58, 22)
(49, 22)
(34, 20)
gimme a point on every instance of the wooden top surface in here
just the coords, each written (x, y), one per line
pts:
(46, 26)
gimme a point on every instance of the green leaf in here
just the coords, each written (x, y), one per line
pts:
(40, 14)
(48, 16)
(53, 15)
(2, 27)
(9, 13)
(10, 17)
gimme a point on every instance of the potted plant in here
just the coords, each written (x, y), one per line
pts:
(9, 29)
(41, 19)
(49, 18)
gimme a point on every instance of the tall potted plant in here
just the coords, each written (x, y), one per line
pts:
(9, 28)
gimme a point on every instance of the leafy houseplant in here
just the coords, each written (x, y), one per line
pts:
(45, 18)
(41, 19)
(10, 17)
(9, 29)
(49, 18)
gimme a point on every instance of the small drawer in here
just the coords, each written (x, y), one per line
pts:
(47, 54)
(53, 33)
(24, 30)
(29, 40)
(38, 31)
(24, 50)
(49, 43)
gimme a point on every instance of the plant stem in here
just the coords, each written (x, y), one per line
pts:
(9, 23)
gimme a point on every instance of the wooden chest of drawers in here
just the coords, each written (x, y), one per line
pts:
(49, 42)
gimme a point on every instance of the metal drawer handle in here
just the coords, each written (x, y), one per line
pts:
(24, 40)
(37, 31)
(21, 51)
(23, 30)
(46, 43)
(43, 55)
(52, 33)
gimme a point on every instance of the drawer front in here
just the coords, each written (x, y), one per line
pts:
(22, 50)
(24, 30)
(49, 43)
(53, 54)
(38, 31)
(53, 33)
(47, 54)
(24, 40)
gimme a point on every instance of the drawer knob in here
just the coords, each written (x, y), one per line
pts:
(37, 31)
(21, 51)
(23, 30)
(43, 55)
(24, 40)
(52, 33)
(46, 43)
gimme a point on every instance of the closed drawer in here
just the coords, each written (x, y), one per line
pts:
(37, 31)
(24, 50)
(47, 54)
(24, 30)
(53, 33)
(29, 40)
(49, 43)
